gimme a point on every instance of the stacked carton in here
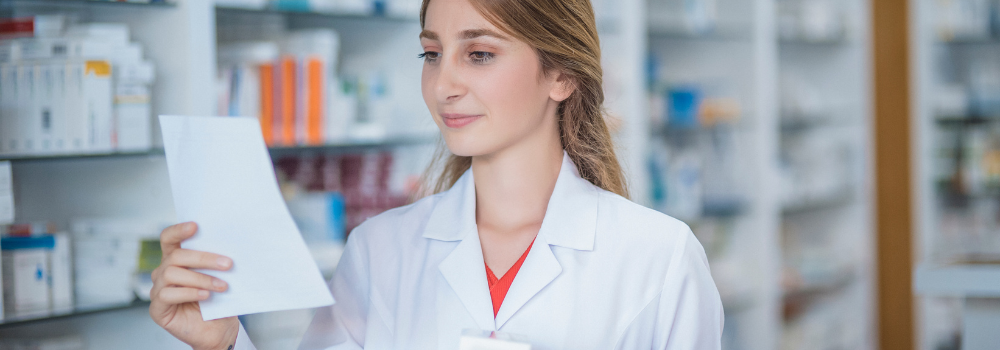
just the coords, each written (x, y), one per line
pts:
(76, 89)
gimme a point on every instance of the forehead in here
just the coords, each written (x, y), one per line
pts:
(449, 18)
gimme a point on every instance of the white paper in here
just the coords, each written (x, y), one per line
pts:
(222, 179)
(6, 194)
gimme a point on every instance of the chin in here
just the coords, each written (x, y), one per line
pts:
(465, 144)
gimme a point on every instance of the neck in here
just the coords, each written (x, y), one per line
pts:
(513, 186)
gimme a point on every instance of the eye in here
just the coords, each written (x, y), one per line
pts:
(429, 56)
(481, 57)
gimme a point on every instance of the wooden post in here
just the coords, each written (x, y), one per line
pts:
(893, 167)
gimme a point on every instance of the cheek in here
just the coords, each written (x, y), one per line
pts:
(514, 95)
(427, 87)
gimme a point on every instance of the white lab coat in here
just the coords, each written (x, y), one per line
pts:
(603, 273)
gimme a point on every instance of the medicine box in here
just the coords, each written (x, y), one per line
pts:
(26, 273)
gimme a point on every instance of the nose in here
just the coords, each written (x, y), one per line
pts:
(449, 86)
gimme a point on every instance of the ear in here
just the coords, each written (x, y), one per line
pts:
(562, 88)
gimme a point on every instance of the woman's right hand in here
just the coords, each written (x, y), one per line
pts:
(177, 290)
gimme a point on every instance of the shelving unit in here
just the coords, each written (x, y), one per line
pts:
(825, 128)
(955, 73)
(731, 59)
(176, 37)
(76, 312)
(794, 302)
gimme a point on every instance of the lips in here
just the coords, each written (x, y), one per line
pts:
(453, 120)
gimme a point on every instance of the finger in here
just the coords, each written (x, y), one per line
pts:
(178, 276)
(180, 295)
(194, 259)
(171, 237)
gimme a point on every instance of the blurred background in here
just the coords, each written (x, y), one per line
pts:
(839, 160)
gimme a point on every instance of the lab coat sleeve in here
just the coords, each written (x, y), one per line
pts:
(343, 325)
(243, 340)
(689, 314)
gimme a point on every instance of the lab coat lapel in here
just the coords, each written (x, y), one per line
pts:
(465, 272)
(570, 221)
(454, 219)
(539, 269)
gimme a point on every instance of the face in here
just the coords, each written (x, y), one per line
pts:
(485, 89)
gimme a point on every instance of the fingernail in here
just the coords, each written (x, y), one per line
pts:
(219, 284)
(203, 294)
(224, 263)
(188, 227)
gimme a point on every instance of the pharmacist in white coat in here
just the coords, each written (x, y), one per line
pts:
(603, 273)
(530, 232)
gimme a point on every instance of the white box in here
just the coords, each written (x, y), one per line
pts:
(6, 194)
(97, 95)
(106, 253)
(62, 274)
(77, 122)
(8, 107)
(89, 49)
(104, 267)
(133, 114)
(35, 49)
(116, 34)
(133, 117)
(44, 88)
(26, 275)
(57, 94)
(10, 51)
(21, 128)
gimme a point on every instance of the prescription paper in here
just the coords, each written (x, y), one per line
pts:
(222, 179)
(6, 194)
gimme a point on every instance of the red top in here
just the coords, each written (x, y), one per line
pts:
(499, 287)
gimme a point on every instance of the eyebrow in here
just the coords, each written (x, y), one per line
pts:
(466, 34)
(475, 33)
(429, 35)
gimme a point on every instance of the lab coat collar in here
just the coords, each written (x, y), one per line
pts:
(570, 221)
(570, 218)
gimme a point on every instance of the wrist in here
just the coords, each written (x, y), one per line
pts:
(228, 340)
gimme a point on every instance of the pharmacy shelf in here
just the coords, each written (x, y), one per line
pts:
(841, 198)
(666, 132)
(966, 121)
(245, 11)
(831, 284)
(720, 35)
(8, 321)
(733, 60)
(721, 209)
(68, 156)
(69, 4)
(831, 75)
(992, 40)
(964, 280)
(798, 124)
(831, 42)
(797, 299)
(357, 144)
(344, 146)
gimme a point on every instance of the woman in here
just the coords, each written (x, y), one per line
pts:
(530, 233)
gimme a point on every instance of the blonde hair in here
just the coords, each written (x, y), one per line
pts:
(564, 34)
